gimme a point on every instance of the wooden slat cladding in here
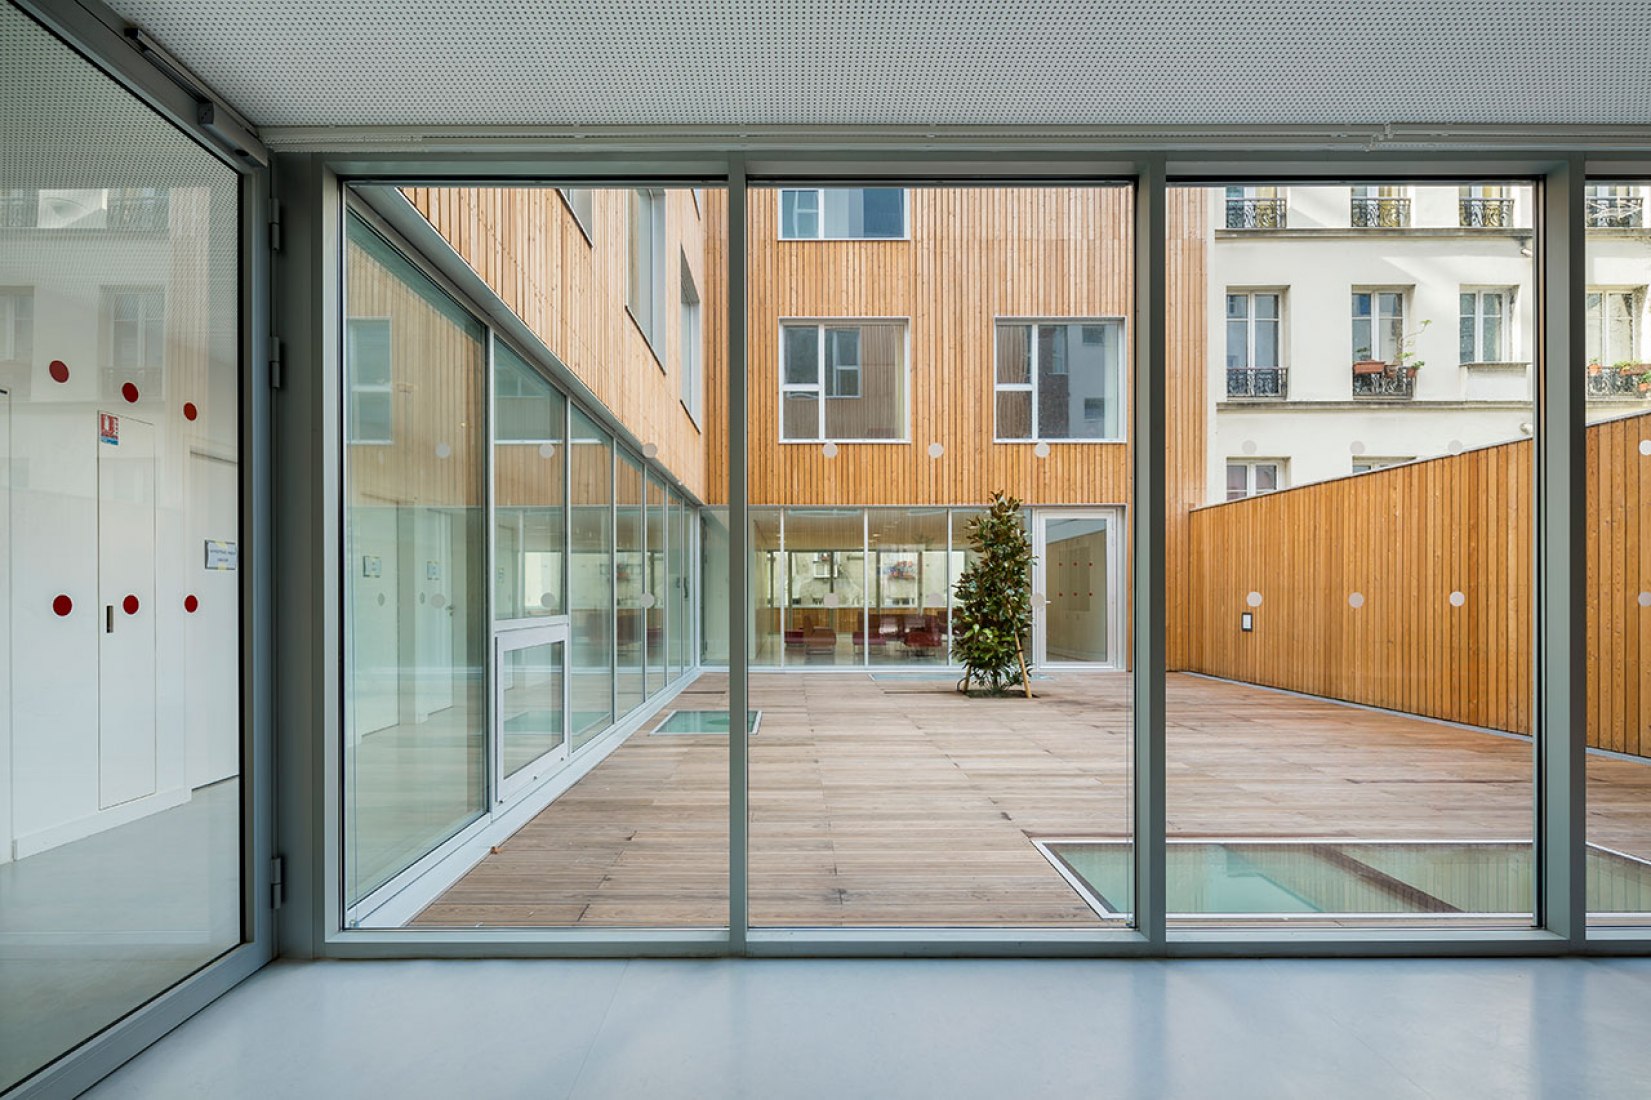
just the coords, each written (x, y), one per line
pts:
(1404, 539)
(1186, 408)
(571, 291)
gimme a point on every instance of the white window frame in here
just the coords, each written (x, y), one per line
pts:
(652, 326)
(1480, 293)
(693, 349)
(351, 325)
(817, 387)
(1032, 385)
(819, 194)
(1281, 468)
(1636, 300)
(1376, 318)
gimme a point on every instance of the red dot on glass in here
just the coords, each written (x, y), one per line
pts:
(190, 603)
(59, 370)
(130, 392)
(130, 605)
(190, 412)
(62, 606)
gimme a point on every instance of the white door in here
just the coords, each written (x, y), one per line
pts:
(126, 599)
(1077, 622)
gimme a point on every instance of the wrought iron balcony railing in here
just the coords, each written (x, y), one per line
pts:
(1381, 213)
(1485, 213)
(1383, 380)
(1257, 214)
(1615, 211)
(1257, 381)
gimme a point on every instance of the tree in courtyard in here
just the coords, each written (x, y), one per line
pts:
(992, 611)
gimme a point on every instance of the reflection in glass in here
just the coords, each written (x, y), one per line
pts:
(530, 704)
(658, 597)
(630, 583)
(825, 585)
(529, 524)
(590, 579)
(908, 616)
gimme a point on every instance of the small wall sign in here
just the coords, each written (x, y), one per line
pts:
(1246, 621)
(220, 555)
(108, 429)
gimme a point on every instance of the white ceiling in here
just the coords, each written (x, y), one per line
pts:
(915, 62)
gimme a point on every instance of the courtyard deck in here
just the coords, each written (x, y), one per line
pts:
(889, 800)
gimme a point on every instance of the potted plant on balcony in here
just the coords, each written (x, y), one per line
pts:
(992, 617)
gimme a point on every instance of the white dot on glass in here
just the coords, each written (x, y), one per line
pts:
(647, 599)
(547, 450)
(1356, 447)
(829, 450)
(1457, 599)
(1454, 446)
(438, 601)
(1645, 446)
(1041, 450)
(936, 450)
(1645, 599)
(443, 450)
(1253, 599)
(1356, 600)
(546, 600)
(1039, 599)
(934, 599)
(650, 450)
(1248, 447)
(831, 599)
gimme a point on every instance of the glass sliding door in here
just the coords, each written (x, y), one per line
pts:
(590, 579)
(907, 620)
(658, 597)
(1076, 621)
(121, 732)
(825, 586)
(630, 585)
(681, 588)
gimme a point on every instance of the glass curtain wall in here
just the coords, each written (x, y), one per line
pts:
(416, 633)
(680, 586)
(591, 578)
(120, 629)
(881, 795)
(630, 583)
(657, 598)
(1349, 522)
(1616, 381)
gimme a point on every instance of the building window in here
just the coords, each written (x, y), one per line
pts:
(1257, 208)
(1612, 327)
(1484, 326)
(1614, 206)
(16, 324)
(1484, 206)
(1380, 207)
(1254, 363)
(134, 338)
(842, 381)
(646, 284)
(372, 400)
(1378, 325)
(1248, 477)
(692, 345)
(579, 205)
(1058, 380)
(843, 214)
(1363, 464)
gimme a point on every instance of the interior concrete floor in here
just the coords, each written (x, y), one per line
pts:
(914, 1028)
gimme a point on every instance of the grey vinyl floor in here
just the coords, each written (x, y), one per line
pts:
(920, 1028)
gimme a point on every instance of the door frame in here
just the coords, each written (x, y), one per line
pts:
(1040, 517)
(507, 786)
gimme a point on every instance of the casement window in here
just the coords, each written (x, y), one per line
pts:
(645, 289)
(1058, 380)
(1612, 324)
(1378, 325)
(1255, 365)
(371, 412)
(693, 349)
(579, 205)
(842, 214)
(1257, 208)
(1248, 477)
(842, 381)
(16, 324)
(1384, 206)
(1484, 326)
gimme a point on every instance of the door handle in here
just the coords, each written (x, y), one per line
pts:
(108, 618)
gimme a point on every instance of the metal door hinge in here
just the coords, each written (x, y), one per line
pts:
(274, 226)
(275, 362)
(277, 881)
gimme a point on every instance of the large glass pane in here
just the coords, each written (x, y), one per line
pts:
(681, 588)
(1349, 611)
(529, 522)
(120, 650)
(590, 580)
(714, 571)
(658, 598)
(416, 637)
(881, 795)
(630, 584)
(1617, 385)
(530, 704)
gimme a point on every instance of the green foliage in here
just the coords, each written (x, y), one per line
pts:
(992, 612)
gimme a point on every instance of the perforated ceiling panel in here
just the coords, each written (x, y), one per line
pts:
(916, 62)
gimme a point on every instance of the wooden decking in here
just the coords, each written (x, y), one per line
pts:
(897, 802)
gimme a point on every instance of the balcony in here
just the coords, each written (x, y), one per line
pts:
(1374, 379)
(1485, 213)
(1619, 381)
(1269, 382)
(1381, 213)
(1615, 212)
(1257, 214)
